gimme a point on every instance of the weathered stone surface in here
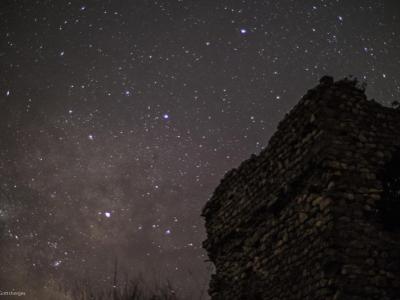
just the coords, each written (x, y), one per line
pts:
(307, 217)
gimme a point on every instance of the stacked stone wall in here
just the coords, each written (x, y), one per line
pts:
(303, 219)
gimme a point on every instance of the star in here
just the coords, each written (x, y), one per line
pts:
(57, 263)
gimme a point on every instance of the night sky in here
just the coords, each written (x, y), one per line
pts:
(119, 118)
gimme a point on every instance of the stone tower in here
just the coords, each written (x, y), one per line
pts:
(316, 215)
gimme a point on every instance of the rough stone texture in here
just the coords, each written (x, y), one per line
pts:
(314, 215)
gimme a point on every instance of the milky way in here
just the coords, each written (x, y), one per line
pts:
(118, 119)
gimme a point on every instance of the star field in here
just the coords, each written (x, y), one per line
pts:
(119, 118)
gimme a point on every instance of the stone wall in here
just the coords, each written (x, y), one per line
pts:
(308, 218)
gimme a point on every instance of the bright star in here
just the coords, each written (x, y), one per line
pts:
(107, 214)
(57, 263)
(243, 31)
(91, 137)
(166, 116)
